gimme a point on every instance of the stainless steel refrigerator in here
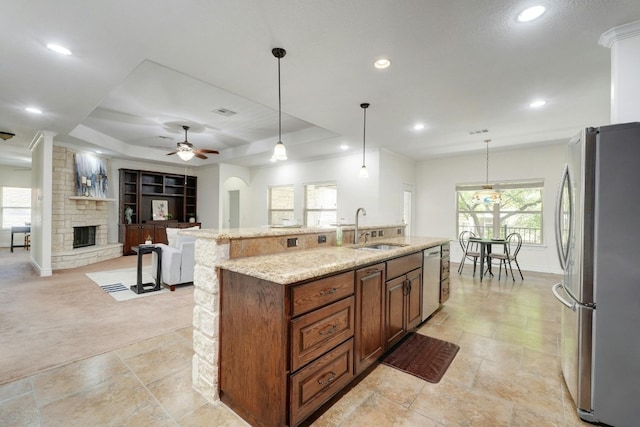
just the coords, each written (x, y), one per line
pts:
(598, 240)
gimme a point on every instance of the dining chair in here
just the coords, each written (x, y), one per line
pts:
(512, 246)
(469, 250)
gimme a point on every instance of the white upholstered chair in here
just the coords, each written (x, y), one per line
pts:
(177, 259)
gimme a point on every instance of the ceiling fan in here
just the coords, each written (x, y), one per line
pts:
(186, 150)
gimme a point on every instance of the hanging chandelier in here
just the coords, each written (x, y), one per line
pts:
(487, 195)
(363, 170)
(279, 151)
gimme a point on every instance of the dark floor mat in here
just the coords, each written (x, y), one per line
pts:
(425, 357)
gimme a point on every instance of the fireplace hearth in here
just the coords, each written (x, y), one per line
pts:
(84, 236)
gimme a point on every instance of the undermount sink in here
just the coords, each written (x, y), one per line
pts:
(381, 247)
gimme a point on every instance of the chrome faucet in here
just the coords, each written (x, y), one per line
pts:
(356, 235)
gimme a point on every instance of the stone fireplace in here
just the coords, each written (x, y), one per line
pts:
(84, 236)
(71, 212)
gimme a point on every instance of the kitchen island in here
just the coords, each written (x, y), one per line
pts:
(277, 335)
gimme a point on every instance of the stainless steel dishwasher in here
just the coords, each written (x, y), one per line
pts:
(431, 282)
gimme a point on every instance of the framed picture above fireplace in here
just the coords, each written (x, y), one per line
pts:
(91, 176)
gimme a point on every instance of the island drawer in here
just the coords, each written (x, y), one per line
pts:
(399, 266)
(318, 382)
(310, 296)
(317, 332)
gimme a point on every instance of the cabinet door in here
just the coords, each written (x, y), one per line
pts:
(414, 299)
(396, 290)
(370, 331)
(160, 234)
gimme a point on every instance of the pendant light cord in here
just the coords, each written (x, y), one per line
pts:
(487, 173)
(364, 133)
(279, 106)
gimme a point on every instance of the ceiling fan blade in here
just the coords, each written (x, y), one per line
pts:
(200, 156)
(173, 152)
(205, 150)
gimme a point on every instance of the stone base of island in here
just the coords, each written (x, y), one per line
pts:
(284, 319)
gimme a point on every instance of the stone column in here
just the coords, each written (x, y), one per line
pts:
(624, 42)
(206, 315)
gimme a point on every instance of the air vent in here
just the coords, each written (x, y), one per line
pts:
(224, 112)
(476, 132)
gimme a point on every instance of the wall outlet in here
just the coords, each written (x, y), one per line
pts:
(322, 238)
(292, 242)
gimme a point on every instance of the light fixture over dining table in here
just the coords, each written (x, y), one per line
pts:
(488, 195)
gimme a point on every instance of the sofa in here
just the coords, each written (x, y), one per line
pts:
(177, 259)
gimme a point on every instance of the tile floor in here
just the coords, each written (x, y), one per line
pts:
(506, 374)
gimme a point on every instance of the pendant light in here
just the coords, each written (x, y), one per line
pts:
(279, 151)
(363, 170)
(487, 195)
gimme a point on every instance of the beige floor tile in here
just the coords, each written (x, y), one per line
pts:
(59, 383)
(524, 416)
(463, 369)
(521, 387)
(210, 415)
(445, 332)
(450, 404)
(176, 394)
(394, 385)
(532, 340)
(344, 407)
(146, 345)
(15, 388)
(109, 403)
(491, 349)
(161, 361)
(378, 411)
(20, 411)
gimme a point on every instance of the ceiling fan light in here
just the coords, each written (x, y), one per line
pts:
(279, 151)
(185, 155)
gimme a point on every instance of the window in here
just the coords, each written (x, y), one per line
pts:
(16, 207)
(280, 204)
(520, 211)
(320, 204)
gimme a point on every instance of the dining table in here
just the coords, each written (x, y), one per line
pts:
(486, 245)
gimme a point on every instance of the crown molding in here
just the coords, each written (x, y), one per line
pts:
(621, 32)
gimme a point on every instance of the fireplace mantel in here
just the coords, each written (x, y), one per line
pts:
(95, 199)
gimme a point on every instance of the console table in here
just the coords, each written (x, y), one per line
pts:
(139, 287)
(14, 230)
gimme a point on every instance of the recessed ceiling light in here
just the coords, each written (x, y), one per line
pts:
(531, 13)
(344, 147)
(418, 126)
(98, 152)
(33, 110)
(537, 103)
(382, 63)
(59, 49)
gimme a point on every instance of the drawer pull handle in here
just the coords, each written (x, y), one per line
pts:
(332, 376)
(329, 331)
(328, 291)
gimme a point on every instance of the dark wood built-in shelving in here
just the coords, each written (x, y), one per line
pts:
(137, 191)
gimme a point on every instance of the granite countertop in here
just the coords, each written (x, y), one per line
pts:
(249, 233)
(296, 266)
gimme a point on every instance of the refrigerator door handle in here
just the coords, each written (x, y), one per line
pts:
(573, 304)
(556, 293)
(565, 182)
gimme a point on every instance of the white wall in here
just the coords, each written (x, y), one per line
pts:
(436, 204)
(12, 177)
(208, 196)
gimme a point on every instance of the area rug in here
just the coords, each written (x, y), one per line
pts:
(117, 283)
(422, 356)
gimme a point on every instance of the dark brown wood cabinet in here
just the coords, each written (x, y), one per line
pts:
(138, 189)
(284, 349)
(444, 273)
(370, 332)
(403, 297)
